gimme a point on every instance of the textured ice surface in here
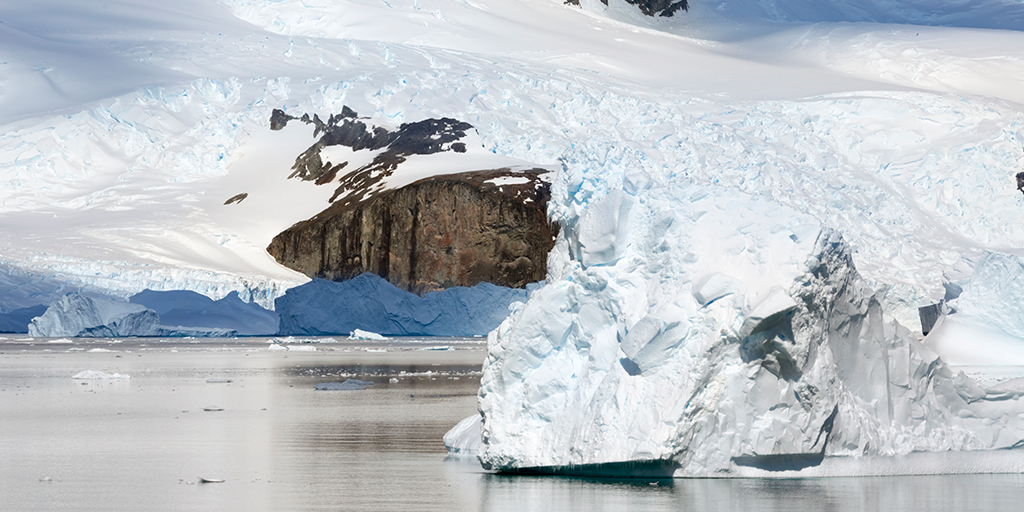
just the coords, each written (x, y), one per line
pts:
(985, 324)
(78, 315)
(617, 362)
(184, 308)
(370, 303)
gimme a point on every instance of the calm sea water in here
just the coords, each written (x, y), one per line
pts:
(142, 443)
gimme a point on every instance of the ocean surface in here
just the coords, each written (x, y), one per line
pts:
(143, 443)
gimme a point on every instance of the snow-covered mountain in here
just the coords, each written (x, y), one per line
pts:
(128, 126)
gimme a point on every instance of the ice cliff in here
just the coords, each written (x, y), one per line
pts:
(370, 303)
(182, 309)
(78, 315)
(691, 330)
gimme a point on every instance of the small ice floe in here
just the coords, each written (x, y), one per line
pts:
(393, 380)
(93, 374)
(348, 385)
(218, 381)
(360, 334)
(441, 347)
(213, 408)
(211, 480)
(61, 340)
(99, 350)
(291, 348)
(46, 479)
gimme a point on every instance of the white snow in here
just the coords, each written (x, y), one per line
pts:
(986, 324)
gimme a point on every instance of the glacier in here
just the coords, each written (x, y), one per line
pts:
(696, 331)
(369, 303)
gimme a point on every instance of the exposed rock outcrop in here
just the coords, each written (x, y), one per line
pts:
(451, 230)
(651, 7)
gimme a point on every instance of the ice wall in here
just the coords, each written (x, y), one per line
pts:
(183, 308)
(714, 334)
(78, 315)
(370, 303)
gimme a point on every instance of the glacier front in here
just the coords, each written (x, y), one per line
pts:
(696, 331)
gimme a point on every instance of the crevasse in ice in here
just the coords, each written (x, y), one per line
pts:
(718, 333)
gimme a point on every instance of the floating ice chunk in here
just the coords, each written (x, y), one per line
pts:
(99, 350)
(94, 374)
(463, 440)
(360, 334)
(277, 347)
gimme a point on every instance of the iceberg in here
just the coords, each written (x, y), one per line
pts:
(78, 315)
(369, 303)
(360, 334)
(692, 330)
(228, 316)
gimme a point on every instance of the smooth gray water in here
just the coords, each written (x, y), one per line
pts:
(141, 444)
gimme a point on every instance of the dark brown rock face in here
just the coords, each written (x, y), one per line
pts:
(651, 7)
(444, 231)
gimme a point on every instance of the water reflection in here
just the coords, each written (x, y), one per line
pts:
(493, 492)
(281, 445)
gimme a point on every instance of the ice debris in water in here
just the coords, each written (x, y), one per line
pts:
(348, 385)
(698, 331)
(360, 334)
(94, 374)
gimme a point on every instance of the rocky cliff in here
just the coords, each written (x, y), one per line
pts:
(651, 7)
(451, 230)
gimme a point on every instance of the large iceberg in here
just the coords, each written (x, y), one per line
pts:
(180, 310)
(78, 315)
(370, 303)
(691, 330)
